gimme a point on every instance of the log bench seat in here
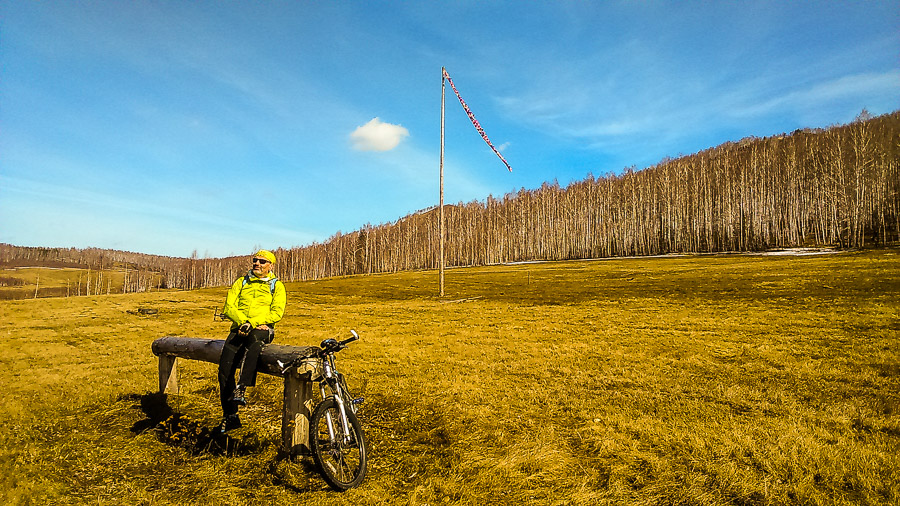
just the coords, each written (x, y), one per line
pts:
(302, 366)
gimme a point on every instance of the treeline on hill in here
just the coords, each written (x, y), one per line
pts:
(838, 186)
(139, 272)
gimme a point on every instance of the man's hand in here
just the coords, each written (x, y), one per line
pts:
(263, 327)
(245, 329)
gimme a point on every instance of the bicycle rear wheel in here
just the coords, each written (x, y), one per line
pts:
(342, 462)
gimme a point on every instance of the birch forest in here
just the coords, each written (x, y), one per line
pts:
(833, 187)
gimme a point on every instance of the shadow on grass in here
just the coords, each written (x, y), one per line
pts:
(406, 440)
(296, 473)
(178, 429)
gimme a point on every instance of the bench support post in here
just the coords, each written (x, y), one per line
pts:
(297, 410)
(168, 374)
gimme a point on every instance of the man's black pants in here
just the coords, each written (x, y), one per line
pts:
(240, 351)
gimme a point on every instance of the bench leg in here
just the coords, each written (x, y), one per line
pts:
(168, 374)
(295, 418)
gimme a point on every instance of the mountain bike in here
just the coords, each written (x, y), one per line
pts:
(335, 435)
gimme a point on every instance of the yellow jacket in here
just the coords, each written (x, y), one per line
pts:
(251, 299)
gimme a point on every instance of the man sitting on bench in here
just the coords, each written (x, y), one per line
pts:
(254, 304)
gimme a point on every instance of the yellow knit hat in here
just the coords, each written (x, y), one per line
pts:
(268, 255)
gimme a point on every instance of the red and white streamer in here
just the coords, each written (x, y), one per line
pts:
(475, 121)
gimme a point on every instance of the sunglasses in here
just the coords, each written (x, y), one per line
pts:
(261, 261)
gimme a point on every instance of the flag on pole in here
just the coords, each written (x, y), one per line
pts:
(475, 121)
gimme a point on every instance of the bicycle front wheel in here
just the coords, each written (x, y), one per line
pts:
(341, 459)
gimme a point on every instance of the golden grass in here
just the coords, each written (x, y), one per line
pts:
(700, 380)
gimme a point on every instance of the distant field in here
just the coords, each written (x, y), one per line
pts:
(731, 379)
(29, 282)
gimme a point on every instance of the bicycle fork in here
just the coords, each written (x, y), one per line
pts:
(329, 421)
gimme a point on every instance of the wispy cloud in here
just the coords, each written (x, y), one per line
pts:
(821, 94)
(112, 217)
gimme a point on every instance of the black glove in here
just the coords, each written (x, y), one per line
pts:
(245, 329)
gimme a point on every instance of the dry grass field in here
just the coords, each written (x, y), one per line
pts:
(731, 379)
(39, 282)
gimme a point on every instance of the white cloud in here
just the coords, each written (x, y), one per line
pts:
(377, 136)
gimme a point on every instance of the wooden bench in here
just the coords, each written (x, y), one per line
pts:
(297, 379)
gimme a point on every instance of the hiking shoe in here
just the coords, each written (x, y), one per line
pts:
(229, 422)
(238, 396)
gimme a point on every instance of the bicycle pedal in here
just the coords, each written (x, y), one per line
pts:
(354, 402)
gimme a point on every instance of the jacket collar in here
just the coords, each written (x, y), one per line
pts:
(252, 276)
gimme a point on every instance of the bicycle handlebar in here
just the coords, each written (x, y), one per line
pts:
(354, 338)
(332, 345)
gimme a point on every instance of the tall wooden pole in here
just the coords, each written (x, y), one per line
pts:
(441, 213)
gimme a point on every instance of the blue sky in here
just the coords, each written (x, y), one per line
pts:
(166, 127)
